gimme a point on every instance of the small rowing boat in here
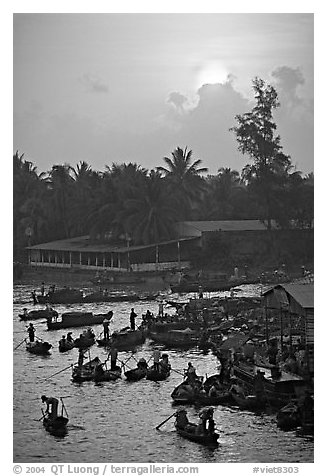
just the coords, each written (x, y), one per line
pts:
(106, 375)
(138, 373)
(38, 347)
(125, 339)
(85, 372)
(191, 433)
(56, 426)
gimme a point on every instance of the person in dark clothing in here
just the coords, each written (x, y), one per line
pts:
(113, 358)
(35, 301)
(272, 352)
(81, 357)
(105, 329)
(258, 387)
(132, 319)
(42, 289)
(70, 337)
(31, 332)
(54, 406)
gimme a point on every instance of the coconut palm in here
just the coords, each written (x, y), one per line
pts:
(149, 216)
(184, 180)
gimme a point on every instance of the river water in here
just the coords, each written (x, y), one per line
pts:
(115, 421)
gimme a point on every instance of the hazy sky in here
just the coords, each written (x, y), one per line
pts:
(132, 87)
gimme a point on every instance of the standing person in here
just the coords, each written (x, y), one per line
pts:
(35, 300)
(259, 388)
(54, 406)
(132, 319)
(161, 309)
(105, 329)
(156, 358)
(113, 358)
(42, 289)
(31, 332)
(69, 337)
(200, 292)
(191, 373)
(81, 357)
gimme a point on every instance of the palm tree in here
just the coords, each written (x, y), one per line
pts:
(184, 180)
(149, 216)
(60, 183)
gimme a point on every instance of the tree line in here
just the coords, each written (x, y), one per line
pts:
(129, 202)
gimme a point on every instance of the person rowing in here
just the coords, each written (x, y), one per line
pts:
(54, 406)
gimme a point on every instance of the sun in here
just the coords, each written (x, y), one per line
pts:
(212, 73)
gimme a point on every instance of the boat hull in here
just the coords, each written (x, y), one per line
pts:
(123, 340)
(39, 348)
(209, 439)
(57, 427)
(76, 319)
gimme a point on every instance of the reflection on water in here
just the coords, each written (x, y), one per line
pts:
(115, 421)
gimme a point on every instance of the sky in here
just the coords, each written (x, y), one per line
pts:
(112, 88)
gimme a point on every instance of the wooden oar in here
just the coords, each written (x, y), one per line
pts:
(124, 364)
(24, 340)
(128, 359)
(178, 372)
(59, 372)
(162, 423)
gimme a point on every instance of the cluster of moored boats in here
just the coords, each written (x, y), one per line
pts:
(241, 382)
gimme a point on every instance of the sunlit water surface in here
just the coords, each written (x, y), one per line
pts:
(115, 421)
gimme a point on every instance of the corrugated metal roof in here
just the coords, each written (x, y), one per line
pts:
(228, 225)
(302, 293)
(83, 244)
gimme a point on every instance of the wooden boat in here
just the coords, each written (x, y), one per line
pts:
(280, 387)
(157, 375)
(117, 278)
(183, 394)
(85, 340)
(73, 296)
(85, 372)
(58, 425)
(125, 339)
(138, 373)
(288, 417)
(208, 285)
(77, 319)
(35, 314)
(192, 435)
(39, 348)
(105, 375)
(248, 402)
(62, 296)
(185, 338)
(64, 347)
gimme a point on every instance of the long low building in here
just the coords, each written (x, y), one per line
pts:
(84, 253)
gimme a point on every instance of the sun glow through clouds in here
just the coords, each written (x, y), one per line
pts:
(212, 73)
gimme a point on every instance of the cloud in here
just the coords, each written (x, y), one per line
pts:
(177, 100)
(93, 84)
(146, 136)
(288, 82)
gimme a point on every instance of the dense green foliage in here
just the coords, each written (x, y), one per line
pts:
(131, 203)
